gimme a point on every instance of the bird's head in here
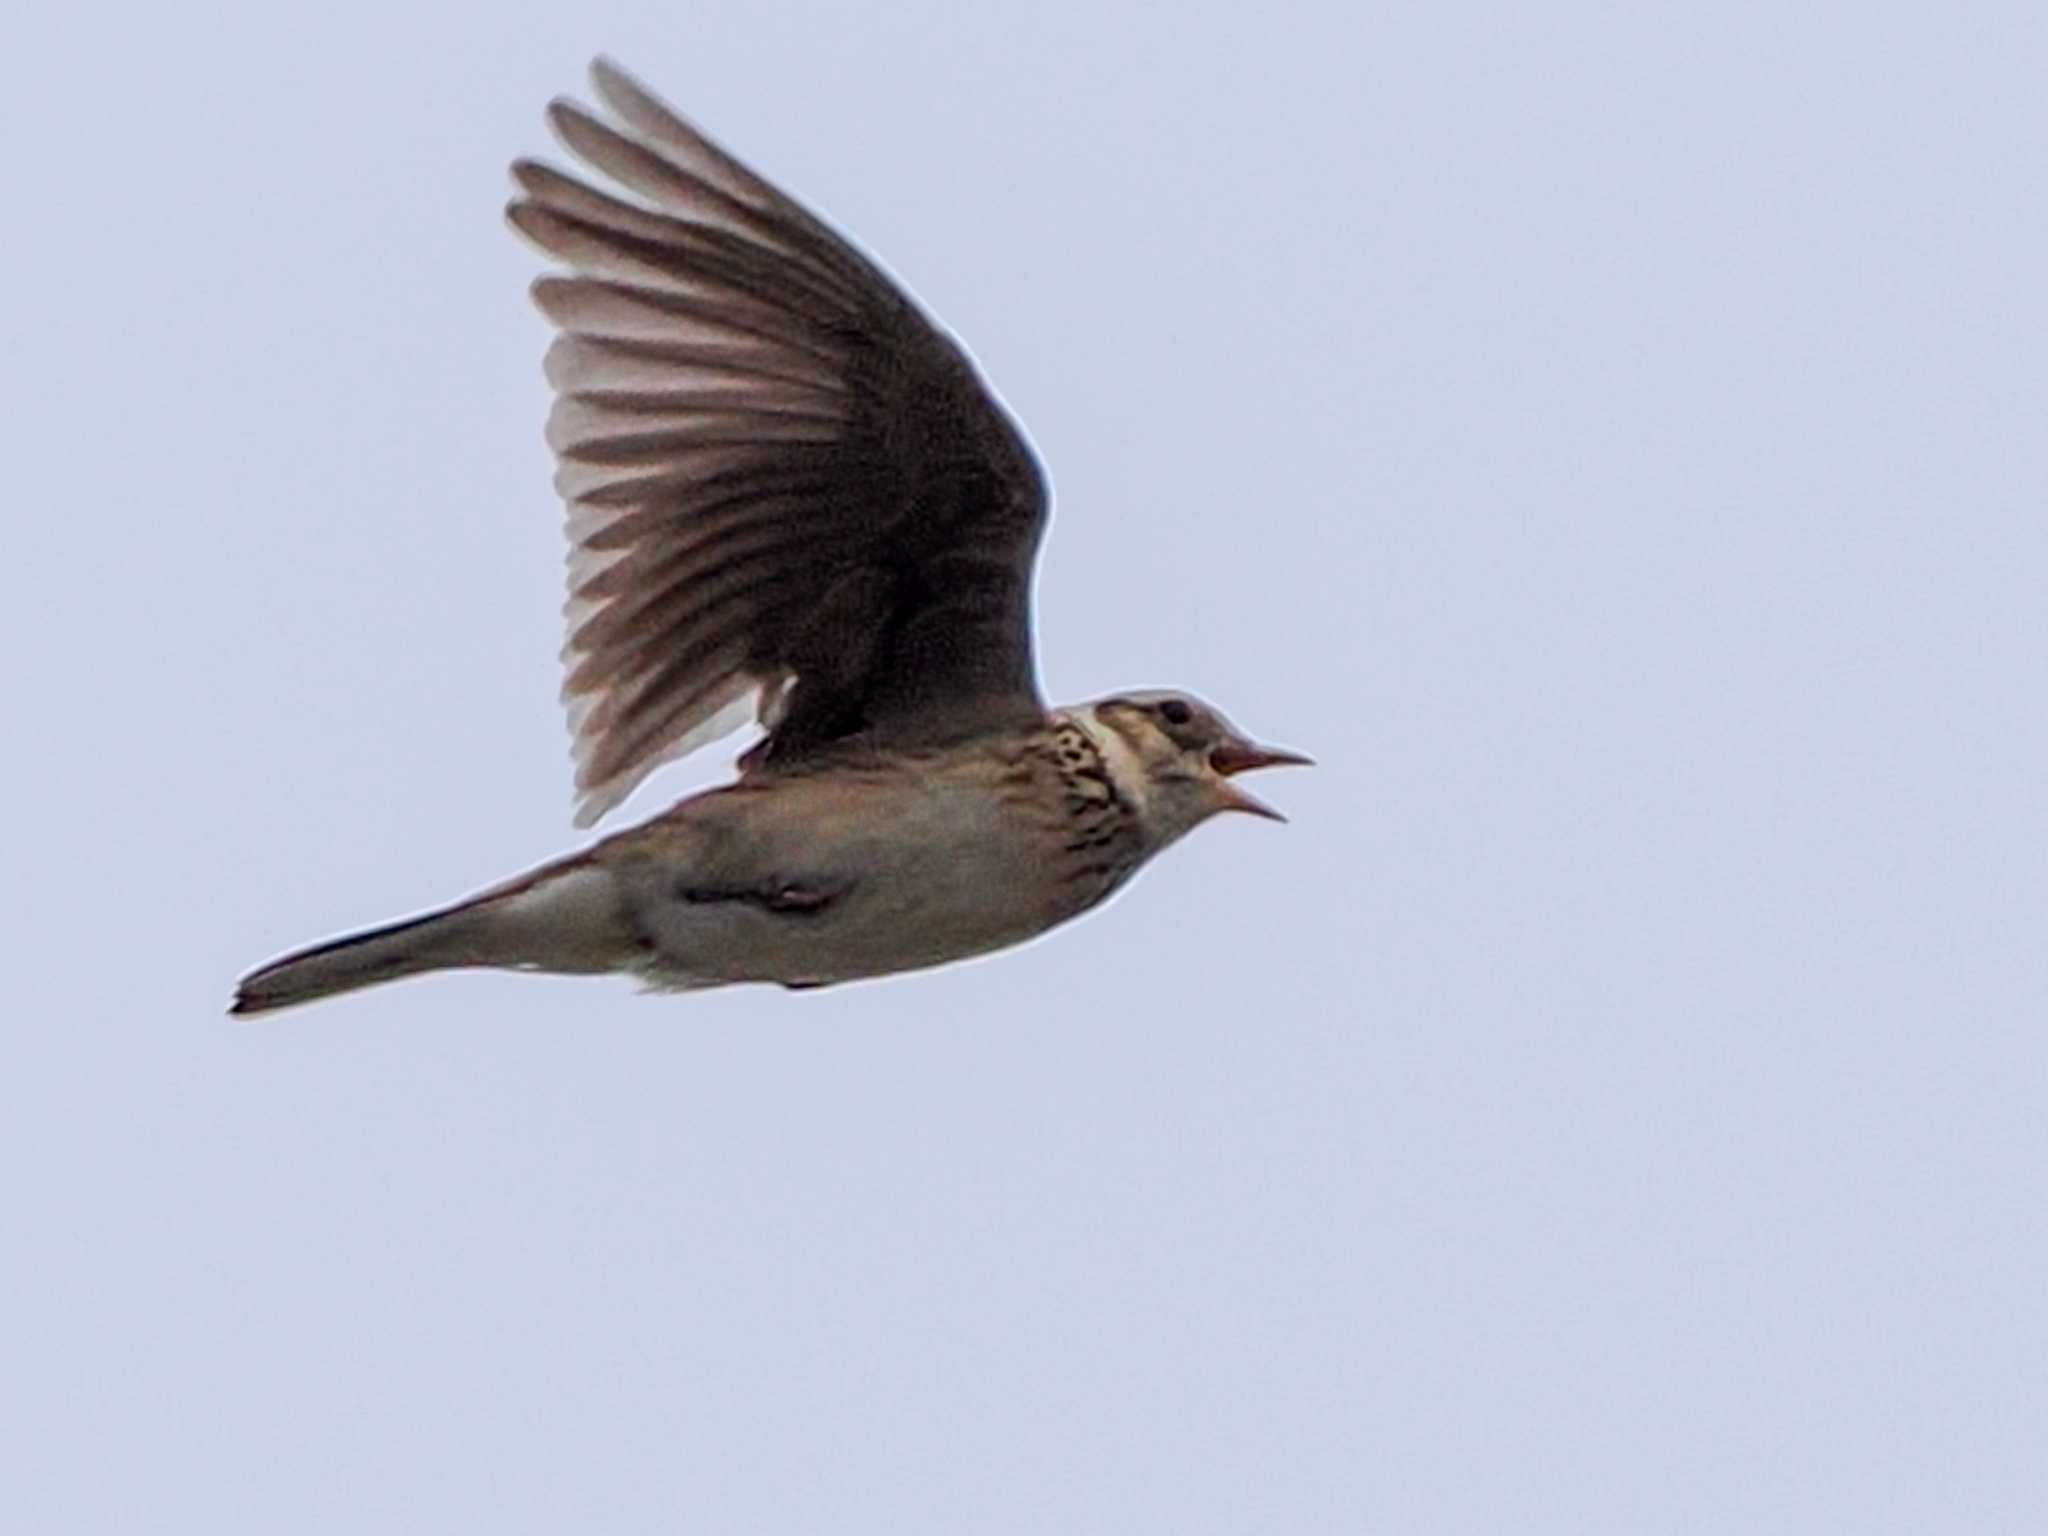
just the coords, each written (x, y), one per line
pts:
(1180, 756)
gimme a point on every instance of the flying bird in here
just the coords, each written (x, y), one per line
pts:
(790, 500)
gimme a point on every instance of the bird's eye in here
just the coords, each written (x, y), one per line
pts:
(1176, 712)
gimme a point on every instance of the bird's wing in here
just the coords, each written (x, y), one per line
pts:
(789, 494)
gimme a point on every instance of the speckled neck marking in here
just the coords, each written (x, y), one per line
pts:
(1104, 835)
(1113, 754)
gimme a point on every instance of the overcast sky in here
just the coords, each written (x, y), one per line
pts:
(1613, 440)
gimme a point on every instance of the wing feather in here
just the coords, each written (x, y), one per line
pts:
(789, 496)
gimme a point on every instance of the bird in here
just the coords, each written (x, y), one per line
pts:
(791, 500)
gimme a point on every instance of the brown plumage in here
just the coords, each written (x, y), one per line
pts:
(791, 498)
(778, 471)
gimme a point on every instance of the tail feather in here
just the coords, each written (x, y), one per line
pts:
(409, 948)
(562, 919)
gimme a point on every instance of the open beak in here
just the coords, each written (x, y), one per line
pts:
(1240, 756)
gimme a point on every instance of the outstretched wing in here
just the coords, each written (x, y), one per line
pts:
(789, 494)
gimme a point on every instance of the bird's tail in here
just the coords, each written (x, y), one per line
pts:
(561, 919)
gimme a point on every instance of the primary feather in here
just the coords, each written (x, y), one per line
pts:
(784, 483)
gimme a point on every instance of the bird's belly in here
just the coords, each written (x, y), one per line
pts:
(888, 899)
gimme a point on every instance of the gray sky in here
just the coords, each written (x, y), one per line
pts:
(1611, 440)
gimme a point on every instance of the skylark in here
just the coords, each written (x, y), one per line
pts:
(791, 499)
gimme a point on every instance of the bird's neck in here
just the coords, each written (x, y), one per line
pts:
(1117, 753)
